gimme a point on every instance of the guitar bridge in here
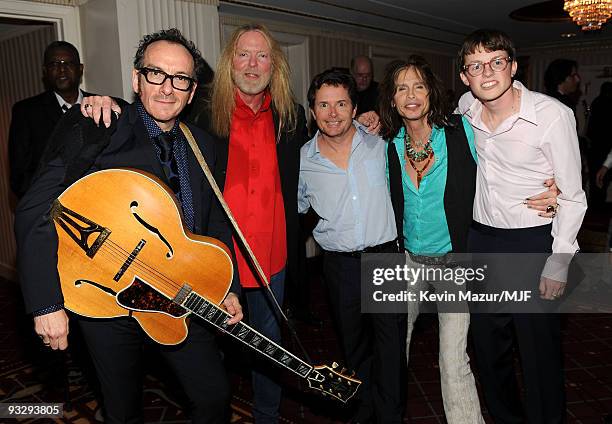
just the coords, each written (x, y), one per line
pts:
(79, 228)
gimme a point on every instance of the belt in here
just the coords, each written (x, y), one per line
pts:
(444, 260)
(388, 247)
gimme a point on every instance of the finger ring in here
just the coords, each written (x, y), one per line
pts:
(87, 106)
(550, 208)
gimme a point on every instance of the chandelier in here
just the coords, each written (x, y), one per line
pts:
(589, 14)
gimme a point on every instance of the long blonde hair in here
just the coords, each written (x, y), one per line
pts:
(222, 101)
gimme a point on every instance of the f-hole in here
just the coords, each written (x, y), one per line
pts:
(151, 228)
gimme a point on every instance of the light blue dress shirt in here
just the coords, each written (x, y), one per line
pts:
(425, 226)
(354, 204)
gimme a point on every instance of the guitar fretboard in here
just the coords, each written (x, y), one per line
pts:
(240, 331)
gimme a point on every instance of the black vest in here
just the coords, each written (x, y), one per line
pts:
(458, 193)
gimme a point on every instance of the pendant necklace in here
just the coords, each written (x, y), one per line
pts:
(415, 157)
(419, 172)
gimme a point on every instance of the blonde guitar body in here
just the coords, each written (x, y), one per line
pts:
(122, 250)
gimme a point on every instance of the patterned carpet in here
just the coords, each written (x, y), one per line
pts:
(29, 373)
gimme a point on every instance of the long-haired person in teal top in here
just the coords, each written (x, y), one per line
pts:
(432, 171)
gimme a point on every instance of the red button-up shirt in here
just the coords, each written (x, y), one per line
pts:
(253, 190)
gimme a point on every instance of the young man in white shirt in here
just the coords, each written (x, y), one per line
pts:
(521, 138)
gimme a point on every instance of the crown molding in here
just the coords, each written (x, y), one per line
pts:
(81, 2)
(279, 26)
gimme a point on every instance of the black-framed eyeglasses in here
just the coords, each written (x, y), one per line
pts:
(56, 64)
(497, 65)
(157, 77)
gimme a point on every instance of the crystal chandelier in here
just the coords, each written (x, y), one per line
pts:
(589, 14)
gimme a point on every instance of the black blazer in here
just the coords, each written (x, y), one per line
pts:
(288, 153)
(33, 120)
(129, 146)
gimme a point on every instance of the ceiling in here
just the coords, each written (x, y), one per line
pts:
(433, 24)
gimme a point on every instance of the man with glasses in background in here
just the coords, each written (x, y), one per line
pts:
(34, 118)
(362, 69)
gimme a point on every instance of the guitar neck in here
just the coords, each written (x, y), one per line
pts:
(218, 317)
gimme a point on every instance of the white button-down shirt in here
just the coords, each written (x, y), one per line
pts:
(63, 102)
(539, 142)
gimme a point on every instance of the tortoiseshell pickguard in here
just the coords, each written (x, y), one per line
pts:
(142, 297)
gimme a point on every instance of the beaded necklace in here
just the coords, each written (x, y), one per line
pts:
(413, 154)
(415, 157)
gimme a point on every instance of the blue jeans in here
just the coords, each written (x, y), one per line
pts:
(264, 317)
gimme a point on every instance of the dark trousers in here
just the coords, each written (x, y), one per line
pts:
(265, 318)
(373, 344)
(116, 347)
(538, 337)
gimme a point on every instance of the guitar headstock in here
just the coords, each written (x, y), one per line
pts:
(334, 381)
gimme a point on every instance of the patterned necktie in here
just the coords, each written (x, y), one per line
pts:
(65, 108)
(165, 142)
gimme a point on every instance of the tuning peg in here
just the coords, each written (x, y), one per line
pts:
(335, 365)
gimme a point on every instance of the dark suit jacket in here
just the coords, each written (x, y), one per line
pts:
(33, 120)
(288, 154)
(367, 99)
(129, 146)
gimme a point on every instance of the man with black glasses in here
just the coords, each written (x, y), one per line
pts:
(34, 118)
(147, 136)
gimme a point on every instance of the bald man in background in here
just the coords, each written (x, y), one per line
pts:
(362, 70)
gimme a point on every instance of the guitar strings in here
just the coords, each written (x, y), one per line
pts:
(117, 259)
(121, 257)
(141, 265)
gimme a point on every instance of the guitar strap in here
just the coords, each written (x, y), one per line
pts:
(228, 212)
(217, 191)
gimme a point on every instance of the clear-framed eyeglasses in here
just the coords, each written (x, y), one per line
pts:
(158, 77)
(57, 64)
(497, 64)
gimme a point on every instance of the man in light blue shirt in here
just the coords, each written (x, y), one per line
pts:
(343, 178)
(353, 202)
